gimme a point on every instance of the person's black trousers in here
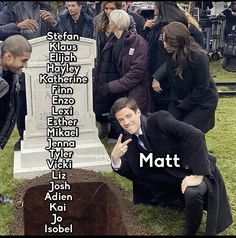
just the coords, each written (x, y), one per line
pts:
(165, 190)
(194, 204)
(115, 129)
(22, 106)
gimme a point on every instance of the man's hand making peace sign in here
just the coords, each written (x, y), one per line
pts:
(120, 149)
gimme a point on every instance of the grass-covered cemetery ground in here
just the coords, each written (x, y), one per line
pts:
(221, 142)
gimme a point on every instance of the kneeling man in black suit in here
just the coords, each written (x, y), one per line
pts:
(169, 165)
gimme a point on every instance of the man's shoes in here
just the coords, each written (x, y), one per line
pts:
(103, 130)
(5, 199)
(17, 146)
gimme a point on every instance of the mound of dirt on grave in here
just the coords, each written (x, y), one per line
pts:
(87, 204)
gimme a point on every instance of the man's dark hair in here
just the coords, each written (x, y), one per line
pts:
(17, 45)
(81, 3)
(122, 103)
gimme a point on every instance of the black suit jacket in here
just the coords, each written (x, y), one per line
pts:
(166, 135)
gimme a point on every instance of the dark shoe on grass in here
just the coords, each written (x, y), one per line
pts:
(103, 130)
(5, 199)
(17, 145)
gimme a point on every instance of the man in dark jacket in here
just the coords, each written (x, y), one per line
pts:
(187, 175)
(230, 14)
(30, 19)
(15, 51)
(7, 15)
(76, 20)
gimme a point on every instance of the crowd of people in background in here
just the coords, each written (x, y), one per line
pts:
(132, 59)
(150, 66)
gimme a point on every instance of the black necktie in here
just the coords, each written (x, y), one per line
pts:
(141, 142)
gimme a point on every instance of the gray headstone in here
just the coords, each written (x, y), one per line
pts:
(89, 152)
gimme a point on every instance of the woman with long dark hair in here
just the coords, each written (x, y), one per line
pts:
(102, 24)
(193, 93)
(165, 12)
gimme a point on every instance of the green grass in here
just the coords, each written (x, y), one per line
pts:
(221, 142)
(7, 183)
(221, 75)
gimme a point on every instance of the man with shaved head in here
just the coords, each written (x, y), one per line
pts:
(15, 51)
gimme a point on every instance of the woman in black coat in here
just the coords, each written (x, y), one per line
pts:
(165, 12)
(193, 93)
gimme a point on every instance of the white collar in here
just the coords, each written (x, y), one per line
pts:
(140, 132)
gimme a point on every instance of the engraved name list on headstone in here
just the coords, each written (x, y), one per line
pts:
(61, 126)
